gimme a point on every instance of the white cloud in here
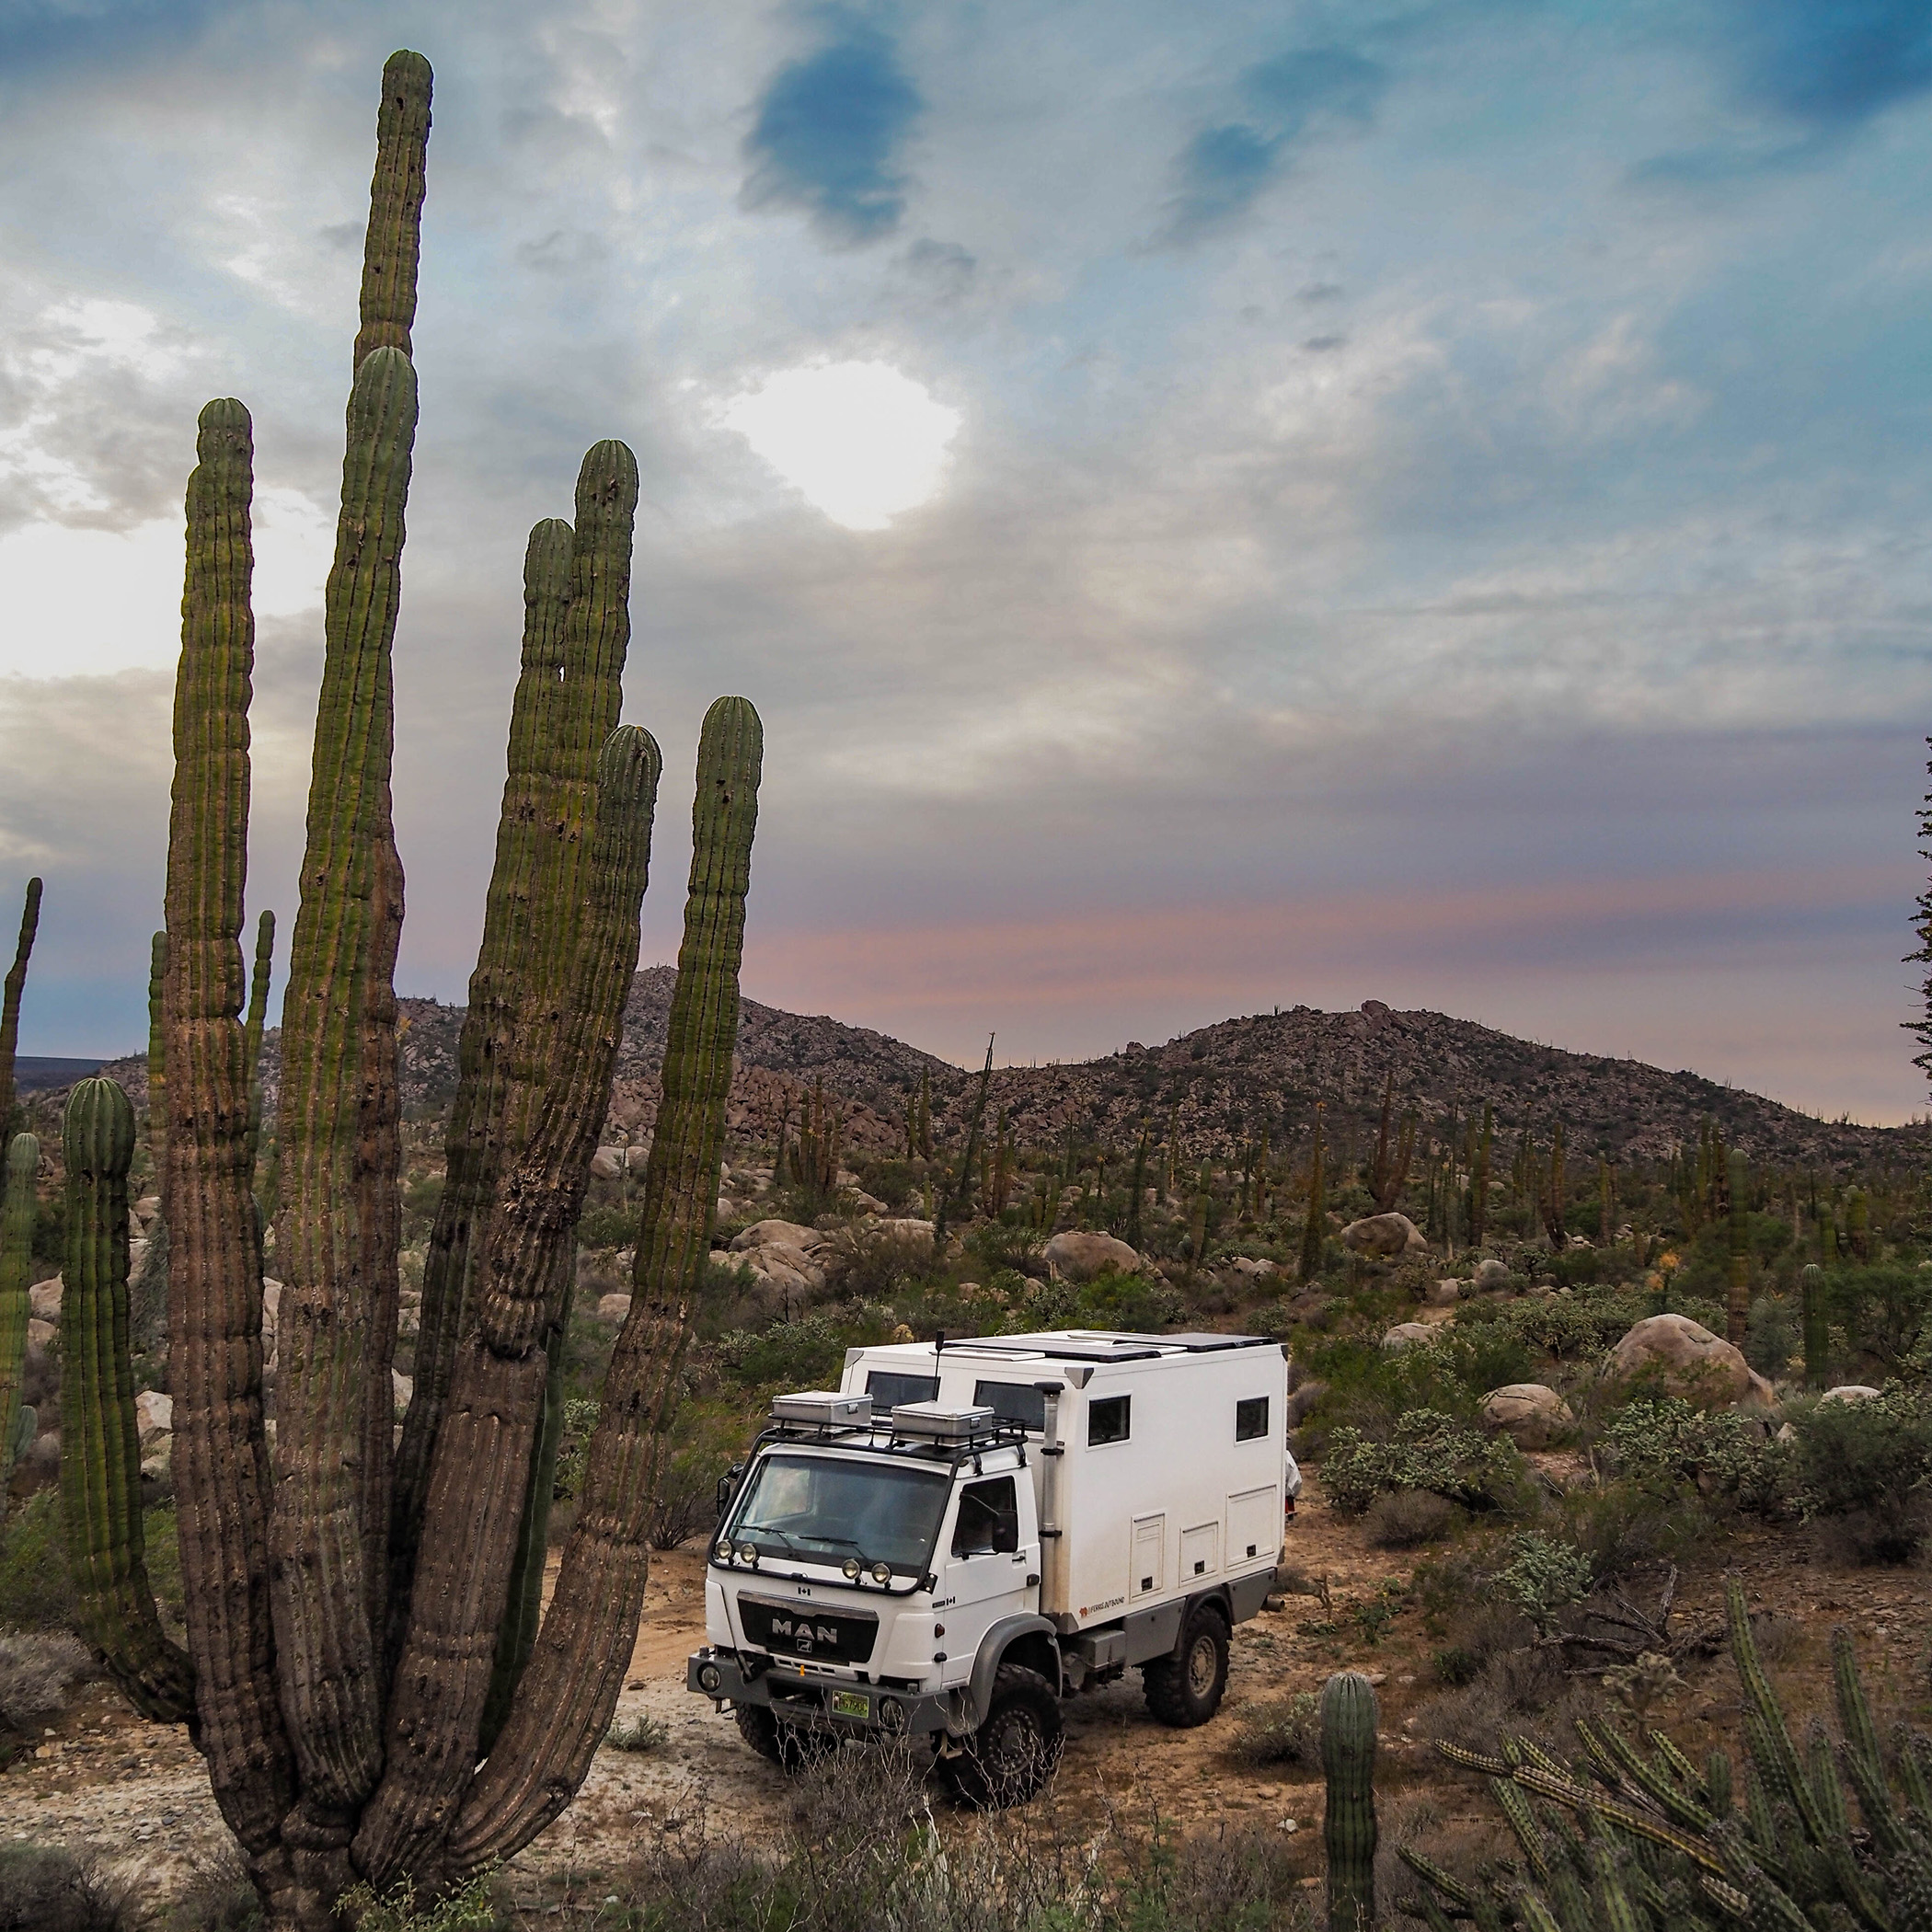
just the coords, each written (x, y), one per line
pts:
(859, 440)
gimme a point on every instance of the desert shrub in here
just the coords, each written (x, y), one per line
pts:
(807, 1353)
(607, 1226)
(1881, 1309)
(45, 1887)
(580, 1419)
(1623, 1527)
(1575, 1326)
(1771, 1335)
(998, 1243)
(1863, 1475)
(706, 1439)
(1141, 1303)
(1280, 1730)
(1426, 1450)
(37, 1668)
(891, 1181)
(640, 1734)
(1542, 1575)
(470, 1908)
(1406, 1519)
(1722, 1454)
(35, 1591)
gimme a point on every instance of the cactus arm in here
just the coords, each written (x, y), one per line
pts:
(332, 1302)
(100, 1464)
(576, 1670)
(474, 1143)
(1348, 1755)
(480, 1473)
(1771, 1742)
(17, 1207)
(220, 1468)
(393, 244)
(15, 985)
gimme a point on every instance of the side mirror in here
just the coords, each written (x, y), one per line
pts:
(725, 1485)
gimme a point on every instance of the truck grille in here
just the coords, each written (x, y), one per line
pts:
(801, 1630)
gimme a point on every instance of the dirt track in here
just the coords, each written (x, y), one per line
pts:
(106, 1780)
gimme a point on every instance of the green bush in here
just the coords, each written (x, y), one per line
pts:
(1771, 1335)
(1280, 1730)
(1660, 1441)
(1139, 1303)
(1865, 1467)
(607, 1228)
(1426, 1450)
(807, 1353)
(36, 1592)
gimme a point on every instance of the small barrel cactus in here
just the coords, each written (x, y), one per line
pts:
(1348, 1760)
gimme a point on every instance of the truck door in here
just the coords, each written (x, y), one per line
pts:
(992, 1548)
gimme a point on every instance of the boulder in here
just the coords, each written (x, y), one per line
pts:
(147, 1208)
(402, 1387)
(1530, 1414)
(613, 1309)
(868, 1203)
(271, 1309)
(1080, 1255)
(607, 1163)
(44, 1298)
(1385, 1234)
(912, 1236)
(42, 1334)
(1406, 1334)
(1685, 1359)
(1851, 1392)
(789, 1233)
(153, 1415)
(1491, 1273)
(1443, 1295)
(1256, 1271)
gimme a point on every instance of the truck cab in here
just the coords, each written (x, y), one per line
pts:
(964, 1533)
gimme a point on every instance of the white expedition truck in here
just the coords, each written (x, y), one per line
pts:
(966, 1532)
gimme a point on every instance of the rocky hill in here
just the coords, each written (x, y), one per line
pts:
(1216, 1088)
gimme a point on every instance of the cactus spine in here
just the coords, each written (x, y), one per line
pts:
(18, 1206)
(1737, 1307)
(1348, 1760)
(16, 985)
(571, 1687)
(100, 1460)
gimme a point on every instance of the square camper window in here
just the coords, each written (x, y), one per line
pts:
(1013, 1402)
(1250, 1419)
(988, 1522)
(888, 1388)
(1107, 1419)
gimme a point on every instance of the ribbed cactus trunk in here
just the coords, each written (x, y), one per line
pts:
(1314, 1227)
(1814, 1325)
(479, 1494)
(100, 1450)
(221, 1465)
(1480, 1180)
(157, 1060)
(1737, 1303)
(1348, 1717)
(16, 985)
(571, 1686)
(18, 1210)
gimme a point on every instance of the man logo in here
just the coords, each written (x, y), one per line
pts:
(803, 1632)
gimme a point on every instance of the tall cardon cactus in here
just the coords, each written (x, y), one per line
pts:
(100, 1450)
(18, 1209)
(1814, 1325)
(1737, 1302)
(375, 1696)
(15, 985)
(1349, 1716)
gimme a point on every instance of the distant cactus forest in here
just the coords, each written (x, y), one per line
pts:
(362, 1375)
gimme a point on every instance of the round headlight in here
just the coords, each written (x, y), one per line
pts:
(850, 1568)
(892, 1715)
(711, 1678)
(723, 1551)
(882, 1573)
(748, 1552)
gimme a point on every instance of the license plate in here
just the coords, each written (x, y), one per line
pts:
(851, 1703)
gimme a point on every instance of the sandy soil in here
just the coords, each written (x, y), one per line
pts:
(104, 1779)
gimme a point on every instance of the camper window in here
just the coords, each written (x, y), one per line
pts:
(1250, 1419)
(1107, 1419)
(888, 1388)
(1012, 1402)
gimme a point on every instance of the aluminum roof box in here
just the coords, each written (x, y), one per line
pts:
(824, 1407)
(941, 1421)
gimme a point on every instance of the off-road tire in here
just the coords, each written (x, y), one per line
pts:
(1015, 1752)
(1186, 1690)
(789, 1746)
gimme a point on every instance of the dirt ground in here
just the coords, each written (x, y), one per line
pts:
(108, 1781)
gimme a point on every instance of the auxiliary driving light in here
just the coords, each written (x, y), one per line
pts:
(723, 1552)
(710, 1679)
(892, 1715)
(881, 1574)
(850, 1568)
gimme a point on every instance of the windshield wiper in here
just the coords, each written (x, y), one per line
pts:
(769, 1529)
(845, 1542)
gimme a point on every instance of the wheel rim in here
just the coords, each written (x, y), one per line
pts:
(1012, 1750)
(1203, 1666)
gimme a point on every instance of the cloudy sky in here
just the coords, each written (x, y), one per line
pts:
(1217, 506)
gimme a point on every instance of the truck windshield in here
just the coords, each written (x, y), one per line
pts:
(827, 1508)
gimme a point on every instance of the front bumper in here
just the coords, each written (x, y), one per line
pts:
(824, 1703)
